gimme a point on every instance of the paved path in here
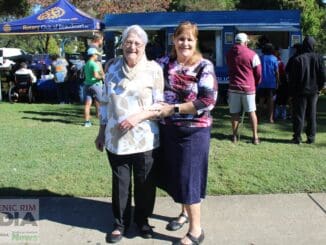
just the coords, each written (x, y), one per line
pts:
(298, 219)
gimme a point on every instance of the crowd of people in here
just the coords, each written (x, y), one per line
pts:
(283, 92)
(155, 116)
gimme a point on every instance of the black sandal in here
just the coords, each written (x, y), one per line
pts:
(174, 225)
(114, 238)
(255, 141)
(194, 240)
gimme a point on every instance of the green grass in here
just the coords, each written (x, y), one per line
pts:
(44, 150)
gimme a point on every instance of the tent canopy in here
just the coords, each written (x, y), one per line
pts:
(60, 17)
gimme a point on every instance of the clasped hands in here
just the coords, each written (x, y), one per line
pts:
(162, 109)
(157, 111)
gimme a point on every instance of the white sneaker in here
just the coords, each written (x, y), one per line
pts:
(87, 124)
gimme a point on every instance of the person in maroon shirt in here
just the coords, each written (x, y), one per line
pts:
(244, 75)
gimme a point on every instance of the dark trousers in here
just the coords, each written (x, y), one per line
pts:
(62, 92)
(305, 108)
(141, 164)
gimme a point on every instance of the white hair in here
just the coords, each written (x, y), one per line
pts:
(136, 29)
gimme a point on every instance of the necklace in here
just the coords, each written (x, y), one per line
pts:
(183, 64)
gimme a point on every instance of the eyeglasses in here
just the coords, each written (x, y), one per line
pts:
(128, 44)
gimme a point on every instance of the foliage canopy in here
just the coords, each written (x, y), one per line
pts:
(313, 11)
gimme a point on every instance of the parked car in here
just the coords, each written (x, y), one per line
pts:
(11, 56)
(73, 58)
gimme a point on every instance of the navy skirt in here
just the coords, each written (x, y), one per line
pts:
(182, 169)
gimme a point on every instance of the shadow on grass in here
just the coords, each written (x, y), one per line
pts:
(75, 211)
(51, 120)
(65, 115)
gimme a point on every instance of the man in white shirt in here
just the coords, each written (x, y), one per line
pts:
(23, 70)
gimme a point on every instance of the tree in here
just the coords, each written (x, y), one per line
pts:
(87, 6)
(312, 19)
(127, 6)
(266, 4)
(312, 14)
(322, 34)
(98, 8)
(195, 5)
(16, 8)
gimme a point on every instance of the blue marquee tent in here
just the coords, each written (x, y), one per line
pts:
(60, 17)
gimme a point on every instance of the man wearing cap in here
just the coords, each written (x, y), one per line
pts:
(244, 75)
(97, 43)
(93, 83)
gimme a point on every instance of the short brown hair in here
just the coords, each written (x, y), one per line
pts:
(97, 36)
(183, 27)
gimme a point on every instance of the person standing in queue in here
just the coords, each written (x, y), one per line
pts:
(306, 81)
(245, 74)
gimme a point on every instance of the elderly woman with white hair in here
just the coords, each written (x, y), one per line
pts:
(129, 131)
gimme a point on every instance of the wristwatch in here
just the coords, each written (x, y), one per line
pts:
(176, 109)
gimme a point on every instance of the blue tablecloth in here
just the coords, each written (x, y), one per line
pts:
(46, 89)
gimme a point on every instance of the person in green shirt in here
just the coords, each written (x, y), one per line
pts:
(93, 84)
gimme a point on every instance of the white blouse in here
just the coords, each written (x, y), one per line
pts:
(128, 91)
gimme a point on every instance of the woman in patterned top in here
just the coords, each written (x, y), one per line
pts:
(190, 93)
(132, 86)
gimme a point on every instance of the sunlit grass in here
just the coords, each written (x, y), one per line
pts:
(45, 150)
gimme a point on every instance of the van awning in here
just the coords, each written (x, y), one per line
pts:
(246, 19)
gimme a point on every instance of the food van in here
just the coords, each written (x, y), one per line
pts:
(217, 30)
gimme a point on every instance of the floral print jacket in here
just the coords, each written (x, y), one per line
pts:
(197, 83)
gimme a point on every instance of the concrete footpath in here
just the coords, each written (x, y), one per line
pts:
(227, 220)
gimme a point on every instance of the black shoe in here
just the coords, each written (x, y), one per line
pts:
(174, 225)
(296, 141)
(194, 240)
(113, 238)
(310, 141)
(146, 231)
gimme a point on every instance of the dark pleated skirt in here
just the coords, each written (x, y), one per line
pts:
(182, 168)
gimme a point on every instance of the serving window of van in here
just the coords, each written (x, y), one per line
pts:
(210, 45)
(159, 44)
(156, 45)
(280, 40)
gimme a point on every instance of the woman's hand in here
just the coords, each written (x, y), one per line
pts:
(130, 122)
(166, 110)
(100, 141)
